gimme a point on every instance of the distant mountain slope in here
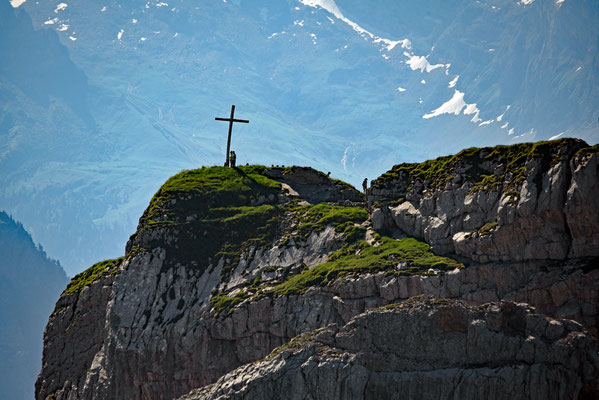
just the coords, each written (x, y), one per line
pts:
(30, 283)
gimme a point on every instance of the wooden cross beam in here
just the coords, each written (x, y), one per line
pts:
(231, 120)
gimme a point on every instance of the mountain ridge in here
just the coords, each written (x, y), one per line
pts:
(198, 295)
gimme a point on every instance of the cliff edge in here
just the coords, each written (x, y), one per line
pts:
(229, 264)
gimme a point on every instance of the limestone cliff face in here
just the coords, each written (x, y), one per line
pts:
(228, 264)
(524, 202)
(73, 337)
(158, 322)
(425, 349)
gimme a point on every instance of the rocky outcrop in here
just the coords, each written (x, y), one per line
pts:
(227, 264)
(164, 324)
(161, 336)
(72, 340)
(534, 201)
(425, 349)
(314, 186)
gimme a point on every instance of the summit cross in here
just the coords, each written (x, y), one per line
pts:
(231, 120)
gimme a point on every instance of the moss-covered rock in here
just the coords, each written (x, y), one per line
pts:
(485, 168)
(92, 274)
(399, 257)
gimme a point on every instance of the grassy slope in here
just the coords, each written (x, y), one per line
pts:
(387, 255)
(214, 186)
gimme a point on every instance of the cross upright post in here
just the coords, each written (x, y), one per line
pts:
(231, 120)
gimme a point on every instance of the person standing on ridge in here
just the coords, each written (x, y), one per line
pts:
(365, 185)
(233, 159)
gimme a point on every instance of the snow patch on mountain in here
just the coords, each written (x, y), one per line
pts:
(472, 109)
(349, 154)
(421, 63)
(455, 105)
(331, 7)
(454, 81)
(390, 44)
(559, 134)
(529, 133)
(17, 3)
(500, 117)
(60, 7)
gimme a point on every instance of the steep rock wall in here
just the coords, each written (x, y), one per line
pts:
(427, 349)
(159, 324)
(152, 348)
(536, 201)
(196, 295)
(72, 339)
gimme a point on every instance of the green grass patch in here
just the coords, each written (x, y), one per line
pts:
(361, 257)
(92, 274)
(588, 151)
(226, 233)
(295, 343)
(226, 304)
(210, 186)
(215, 213)
(486, 229)
(314, 218)
(291, 169)
(434, 171)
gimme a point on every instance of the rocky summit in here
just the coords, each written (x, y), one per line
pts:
(469, 276)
